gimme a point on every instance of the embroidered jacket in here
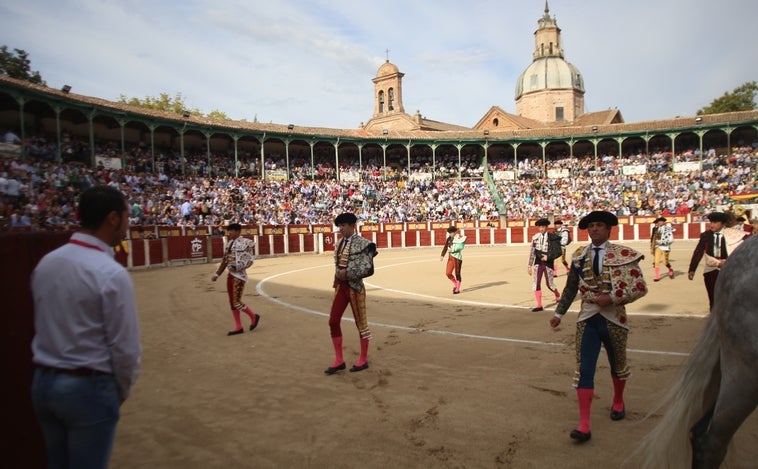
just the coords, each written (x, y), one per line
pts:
(621, 278)
(359, 260)
(239, 256)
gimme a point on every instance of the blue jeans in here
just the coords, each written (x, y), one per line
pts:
(78, 417)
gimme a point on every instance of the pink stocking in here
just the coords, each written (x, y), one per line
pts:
(250, 313)
(237, 320)
(338, 360)
(618, 394)
(364, 353)
(584, 396)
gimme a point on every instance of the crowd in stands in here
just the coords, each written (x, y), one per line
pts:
(40, 192)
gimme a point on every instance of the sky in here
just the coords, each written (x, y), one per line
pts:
(311, 62)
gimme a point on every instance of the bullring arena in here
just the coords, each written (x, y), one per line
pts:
(474, 380)
(469, 380)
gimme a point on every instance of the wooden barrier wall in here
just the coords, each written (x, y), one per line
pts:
(151, 246)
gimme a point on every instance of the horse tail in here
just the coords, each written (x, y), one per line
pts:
(692, 393)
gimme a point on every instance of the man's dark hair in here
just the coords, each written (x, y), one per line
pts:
(97, 202)
(347, 217)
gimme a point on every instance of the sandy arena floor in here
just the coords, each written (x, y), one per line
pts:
(474, 380)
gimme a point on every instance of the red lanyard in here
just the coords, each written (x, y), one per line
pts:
(86, 245)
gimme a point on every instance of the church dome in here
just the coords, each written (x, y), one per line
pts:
(548, 73)
(387, 68)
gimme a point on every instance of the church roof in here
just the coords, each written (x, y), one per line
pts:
(387, 68)
(548, 73)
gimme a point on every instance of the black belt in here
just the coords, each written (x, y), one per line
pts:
(73, 371)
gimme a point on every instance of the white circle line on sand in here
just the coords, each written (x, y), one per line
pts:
(259, 289)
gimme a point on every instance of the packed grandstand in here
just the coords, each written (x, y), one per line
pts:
(39, 192)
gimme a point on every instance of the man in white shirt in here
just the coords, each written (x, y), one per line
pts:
(86, 346)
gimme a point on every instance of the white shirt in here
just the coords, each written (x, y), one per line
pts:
(85, 313)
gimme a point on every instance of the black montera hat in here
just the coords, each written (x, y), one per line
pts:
(452, 229)
(663, 219)
(234, 226)
(718, 216)
(598, 215)
(557, 222)
(542, 222)
(346, 217)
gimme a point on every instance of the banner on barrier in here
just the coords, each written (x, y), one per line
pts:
(323, 228)
(298, 229)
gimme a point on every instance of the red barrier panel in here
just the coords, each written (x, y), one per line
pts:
(439, 237)
(309, 244)
(217, 247)
(425, 238)
(694, 230)
(278, 247)
(517, 235)
(294, 242)
(264, 246)
(678, 230)
(121, 256)
(156, 251)
(484, 236)
(644, 231)
(138, 252)
(23, 447)
(501, 236)
(410, 239)
(629, 232)
(330, 239)
(397, 238)
(381, 239)
(186, 248)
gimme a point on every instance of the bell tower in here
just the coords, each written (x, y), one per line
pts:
(547, 38)
(388, 90)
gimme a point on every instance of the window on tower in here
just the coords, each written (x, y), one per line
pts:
(381, 101)
(559, 113)
(391, 94)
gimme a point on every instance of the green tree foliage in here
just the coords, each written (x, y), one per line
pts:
(741, 99)
(17, 65)
(163, 102)
(216, 114)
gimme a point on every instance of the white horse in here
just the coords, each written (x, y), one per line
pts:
(717, 388)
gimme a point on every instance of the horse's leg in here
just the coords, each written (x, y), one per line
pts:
(697, 437)
(737, 398)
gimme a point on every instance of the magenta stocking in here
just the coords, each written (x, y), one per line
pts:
(338, 360)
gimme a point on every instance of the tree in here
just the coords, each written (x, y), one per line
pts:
(166, 103)
(741, 99)
(17, 65)
(163, 102)
(216, 114)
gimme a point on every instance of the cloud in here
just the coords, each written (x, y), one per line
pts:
(312, 62)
